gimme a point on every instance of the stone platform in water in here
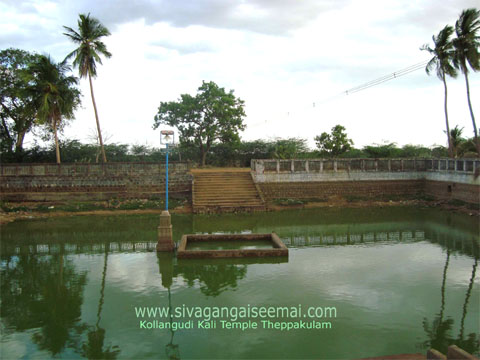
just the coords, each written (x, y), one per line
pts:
(267, 245)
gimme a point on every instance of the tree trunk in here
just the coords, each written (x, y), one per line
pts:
(204, 157)
(475, 138)
(96, 118)
(19, 142)
(19, 145)
(5, 127)
(57, 147)
(450, 145)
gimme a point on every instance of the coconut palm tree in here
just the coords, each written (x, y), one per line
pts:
(457, 140)
(86, 56)
(55, 94)
(467, 44)
(442, 63)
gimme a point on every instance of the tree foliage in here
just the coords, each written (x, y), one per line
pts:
(289, 148)
(461, 145)
(467, 42)
(334, 144)
(17, 108)
(54, 93)
(442, 54)
(211, 116)
(222, 154)
(382, 150)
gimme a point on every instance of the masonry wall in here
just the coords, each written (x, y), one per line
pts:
(52, 182)
(294, 179)
(324, 179)
(453, 191)
(340, 189)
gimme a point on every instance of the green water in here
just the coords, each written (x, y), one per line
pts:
(229, 245)
(401, 281)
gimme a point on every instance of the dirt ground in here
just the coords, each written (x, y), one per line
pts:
(12, 216)
(6, 217)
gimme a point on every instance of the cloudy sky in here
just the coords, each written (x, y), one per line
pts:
(287, 59)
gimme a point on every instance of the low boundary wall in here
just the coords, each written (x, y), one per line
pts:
(325, 178)
(83, 181)
(276, 179)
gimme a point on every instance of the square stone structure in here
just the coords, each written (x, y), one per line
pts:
(278, 247)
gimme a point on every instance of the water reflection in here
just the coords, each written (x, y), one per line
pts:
(43, 284)
(165, 265)
(213, 278)
(94, 347)
(472, 342)
(43, 294)
(439, 331)
(298, 229)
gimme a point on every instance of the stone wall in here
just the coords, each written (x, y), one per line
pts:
(453, 191)
(52, 182)
(334, 189)
(368, 178)
(277, 179)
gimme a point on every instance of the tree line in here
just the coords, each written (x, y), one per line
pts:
(231, 154)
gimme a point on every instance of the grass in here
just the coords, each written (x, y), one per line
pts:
(113, 204)
(460, 203)
(389, 197)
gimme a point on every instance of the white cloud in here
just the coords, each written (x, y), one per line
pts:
(278, 56)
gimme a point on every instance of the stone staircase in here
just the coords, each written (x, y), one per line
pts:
(225, 190)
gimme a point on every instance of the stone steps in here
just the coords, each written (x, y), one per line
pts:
(225, 191)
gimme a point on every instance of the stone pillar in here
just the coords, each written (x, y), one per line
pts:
(165, 240)
(454, 352)
(433, 354)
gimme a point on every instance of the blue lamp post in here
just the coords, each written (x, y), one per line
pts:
(165, 238)
(166, 137)
(166, 180)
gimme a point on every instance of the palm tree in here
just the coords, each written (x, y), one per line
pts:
(86, 56)
(442, 62)
(457, 139)
(466, 46)
(54, 93)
